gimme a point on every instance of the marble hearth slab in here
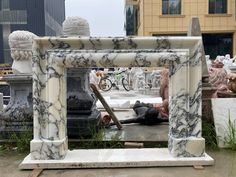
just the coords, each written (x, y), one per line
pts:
(116, 158)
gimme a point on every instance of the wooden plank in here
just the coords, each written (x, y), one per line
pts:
(106, 106)
(116, 109)
(36, 173)
(133, 145)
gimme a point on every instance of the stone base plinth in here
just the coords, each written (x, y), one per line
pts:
(17, 117)
(83, 125)
(187, 147)
(116, 158)
(46, 149)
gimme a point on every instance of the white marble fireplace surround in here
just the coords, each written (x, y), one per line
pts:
(52, 56)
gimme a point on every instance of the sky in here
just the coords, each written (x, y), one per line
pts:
(105, 17)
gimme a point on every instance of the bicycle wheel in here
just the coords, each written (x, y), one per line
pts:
(105, 84)
(125, 84)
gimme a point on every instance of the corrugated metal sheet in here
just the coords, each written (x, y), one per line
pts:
(5, 4)
(36, 20)
(54, 16)
(18, 4)
(1, 45)
(13, 17)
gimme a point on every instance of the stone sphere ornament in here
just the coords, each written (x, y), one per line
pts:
(76, 26)
(21, 43)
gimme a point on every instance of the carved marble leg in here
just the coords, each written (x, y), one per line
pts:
(50, 137)
(185, 115)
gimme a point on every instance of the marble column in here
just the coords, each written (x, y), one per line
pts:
(18, 115)
(82, 115)
(185, 139)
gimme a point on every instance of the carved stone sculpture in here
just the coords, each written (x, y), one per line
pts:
(82, 114)
(76, 26)
(232, 82)
(18, 115)
(20, 43)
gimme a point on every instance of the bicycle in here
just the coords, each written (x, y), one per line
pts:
(107, 82)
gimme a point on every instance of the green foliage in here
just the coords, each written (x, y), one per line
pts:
(230, 139)
(97, 141)
(208, 132)
(22, 140)
(2, 149)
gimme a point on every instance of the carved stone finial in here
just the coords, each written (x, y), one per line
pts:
(21, 43)
(76, 26)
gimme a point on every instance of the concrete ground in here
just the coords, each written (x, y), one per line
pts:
(225, 166)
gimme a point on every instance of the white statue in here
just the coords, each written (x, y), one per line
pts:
(21, 43)
(208, 61)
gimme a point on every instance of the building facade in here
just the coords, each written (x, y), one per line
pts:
(172, 17)
(42, 17)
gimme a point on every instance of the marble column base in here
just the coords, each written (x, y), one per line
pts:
(187, 147)
(46, 149)
(116, 158)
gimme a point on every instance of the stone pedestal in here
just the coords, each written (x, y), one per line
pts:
(82, 115)
(221, 94)
(18, 115)
(207, 92)
(225, 121)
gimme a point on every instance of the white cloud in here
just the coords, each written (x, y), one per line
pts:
(106, 17)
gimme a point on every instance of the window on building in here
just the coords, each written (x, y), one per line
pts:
(171, 7)
(217, 6)
(218, 44)
(132, 19)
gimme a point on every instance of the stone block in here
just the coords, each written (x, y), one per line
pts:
(187, 147)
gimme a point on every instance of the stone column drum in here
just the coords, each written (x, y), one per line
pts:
(82, 115)
(18, 115)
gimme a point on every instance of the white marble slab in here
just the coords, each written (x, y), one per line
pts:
(116, 103)
(128, 102)
(222, 108)
(116, 158)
